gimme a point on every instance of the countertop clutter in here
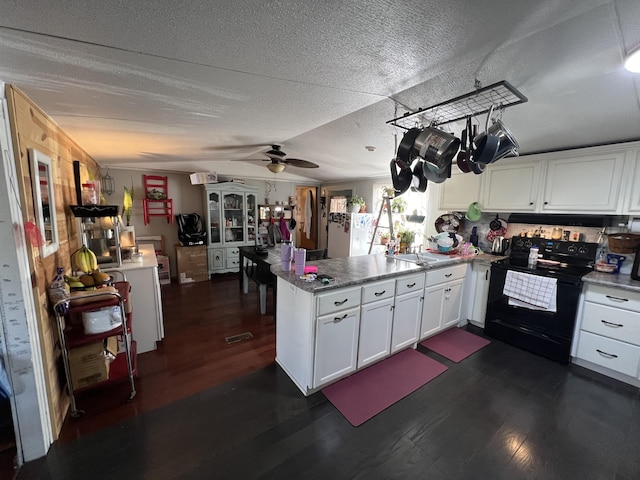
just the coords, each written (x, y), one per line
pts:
(366, 268)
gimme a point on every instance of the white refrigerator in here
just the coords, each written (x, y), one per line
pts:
(349, 234)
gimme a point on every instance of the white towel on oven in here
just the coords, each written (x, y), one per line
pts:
(534, 290)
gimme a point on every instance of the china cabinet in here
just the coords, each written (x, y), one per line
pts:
(230, 222)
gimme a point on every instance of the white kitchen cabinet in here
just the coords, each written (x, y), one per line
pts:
(581, 182)
(147, 323)
(230, 222)
(407, 311)
(511, 185)
(481, 274)
(607, 336)
(336, 349)
(459, 191)
(376, 317)
(442, 299)
(633, 198)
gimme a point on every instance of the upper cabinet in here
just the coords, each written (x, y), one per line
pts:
(459, 191)
(578, 182)
(603, 180)
(511, 186)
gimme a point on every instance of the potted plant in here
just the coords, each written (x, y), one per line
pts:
(384, 238)
(398, 205)
(357, 204)
(128, 204)
(406, 239)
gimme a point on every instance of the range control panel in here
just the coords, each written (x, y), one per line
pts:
(555, 248)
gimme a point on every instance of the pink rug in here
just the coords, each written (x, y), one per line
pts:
(455, 344)
(368, 392)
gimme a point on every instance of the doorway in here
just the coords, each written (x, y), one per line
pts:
(329, 193)
(306, 215)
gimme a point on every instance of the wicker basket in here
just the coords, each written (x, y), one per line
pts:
(623, 242)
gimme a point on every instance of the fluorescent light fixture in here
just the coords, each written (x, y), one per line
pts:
(276, 167)
(632, 62)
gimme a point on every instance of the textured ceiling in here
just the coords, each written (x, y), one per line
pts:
(195, 86)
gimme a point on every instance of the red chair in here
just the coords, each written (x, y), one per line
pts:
(156, 201)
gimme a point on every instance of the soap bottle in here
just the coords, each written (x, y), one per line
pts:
(533, 257)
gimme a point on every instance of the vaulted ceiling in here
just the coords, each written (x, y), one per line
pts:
(204, 85)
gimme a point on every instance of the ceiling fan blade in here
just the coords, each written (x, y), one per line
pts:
(297, 162)
(213, 148)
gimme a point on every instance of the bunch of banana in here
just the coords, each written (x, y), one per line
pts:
(84, 260)
(93, 279)
(73, 282)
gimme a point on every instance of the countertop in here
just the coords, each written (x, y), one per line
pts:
(148, 259)
(617, 280)
(366, 268)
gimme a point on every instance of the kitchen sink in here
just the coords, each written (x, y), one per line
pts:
(422, 258)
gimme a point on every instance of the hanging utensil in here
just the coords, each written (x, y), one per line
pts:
(463, 155)
(486, 143)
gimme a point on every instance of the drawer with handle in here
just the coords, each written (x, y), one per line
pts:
(446, 274)
(611, 322)
(378, 291)
(410, 283)
(338, 300)
(614, 297)
(619, 356)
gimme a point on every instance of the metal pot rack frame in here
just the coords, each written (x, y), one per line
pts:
(472, 104)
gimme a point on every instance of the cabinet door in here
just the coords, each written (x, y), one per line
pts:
(431, 322)
(482, 274)
(452, 303)
(511, 186)
(336, 346)
(585, 183)
(216, 258)
(634, 193)
(250, 217)
(375, 331)
(233, 208)
(458, 192)
(213, 218)
(406, 320)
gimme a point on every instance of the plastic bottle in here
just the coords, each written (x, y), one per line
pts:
(533, 257)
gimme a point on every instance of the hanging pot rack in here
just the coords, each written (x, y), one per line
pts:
(501, 95)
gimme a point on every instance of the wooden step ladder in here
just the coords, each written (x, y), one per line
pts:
(386, 202)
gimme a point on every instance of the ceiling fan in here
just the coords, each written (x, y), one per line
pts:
(278, 160)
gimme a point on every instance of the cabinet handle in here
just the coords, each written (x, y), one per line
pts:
(610, 355)
(339, 319)
(546, 203)
(486, 275)
(531, 203)
(617, 299)
(411, 285)
(448, 274)
(612, 324)
(337, 304)
(377, 294)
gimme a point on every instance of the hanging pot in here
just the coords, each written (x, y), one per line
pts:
(463, 155)
(419, 180)
(401, 180)
(508, 145)
(433, 175)
(406, 153)
(486, 144)
(437, 147)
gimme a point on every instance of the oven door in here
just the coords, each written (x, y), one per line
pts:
(543, 332)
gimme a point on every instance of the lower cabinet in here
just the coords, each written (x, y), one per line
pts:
(376, 319)
(407, 312)
(479, 293)
(607, 337)
(442, 299)
(336, 349)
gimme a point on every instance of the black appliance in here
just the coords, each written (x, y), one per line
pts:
(545, 332)
(191, 230)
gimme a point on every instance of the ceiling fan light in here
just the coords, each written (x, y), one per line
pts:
(275, 167)
(632, 62)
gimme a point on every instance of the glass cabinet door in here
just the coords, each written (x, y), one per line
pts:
(251, 217)
(214, 215)
(233, 209)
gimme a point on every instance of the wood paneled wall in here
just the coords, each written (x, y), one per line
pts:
(32, 128)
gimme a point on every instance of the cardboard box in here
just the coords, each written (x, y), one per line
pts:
(89, 364)
(164, 270)
(192, 264)
(203, 177)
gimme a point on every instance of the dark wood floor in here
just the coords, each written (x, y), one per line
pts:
(501, 413)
